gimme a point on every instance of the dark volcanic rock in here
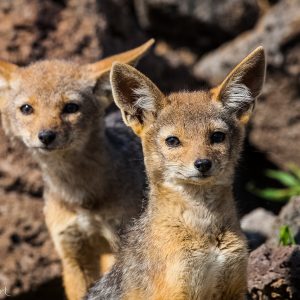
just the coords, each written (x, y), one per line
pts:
(201, 24)
(274, 273)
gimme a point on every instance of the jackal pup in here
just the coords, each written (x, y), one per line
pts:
(188, 243)
(56, 108)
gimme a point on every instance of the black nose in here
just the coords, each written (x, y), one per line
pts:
(203, 165)
(47, 136)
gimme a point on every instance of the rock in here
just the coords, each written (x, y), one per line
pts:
(28, 256)
(169, 68)
(273, 31)
(258, 226)
(18, 31)
(32, 30)
(275, 126)
(274, 273)
(290, 216)
(259, 220)
(120, 26)
(203, 24)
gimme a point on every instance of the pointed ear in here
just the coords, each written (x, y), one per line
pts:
(6, 70)
(99, 71)
(138, 98)
(243, 85)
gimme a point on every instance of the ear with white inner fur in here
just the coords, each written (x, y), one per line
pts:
(136, 95)
(6, 70)
(243, 84)
(99, 71)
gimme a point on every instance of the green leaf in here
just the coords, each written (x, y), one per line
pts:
(283, 177)
(273, 194)
(286, 236)
(291, 180)
(294, 169)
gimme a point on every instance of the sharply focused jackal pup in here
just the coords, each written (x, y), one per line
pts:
(56, 108)
(188, 243)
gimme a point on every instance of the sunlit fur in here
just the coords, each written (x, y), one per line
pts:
(188, 244)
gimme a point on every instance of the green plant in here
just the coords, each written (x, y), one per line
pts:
(286, 237)
(290, 179)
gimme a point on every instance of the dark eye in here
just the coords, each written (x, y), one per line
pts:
(70, 108)
(26, 109)
(172, 141)
(217, 137)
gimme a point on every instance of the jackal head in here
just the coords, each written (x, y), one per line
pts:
(190, 137)
(56, 104)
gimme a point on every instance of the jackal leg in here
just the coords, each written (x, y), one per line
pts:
(79, 250)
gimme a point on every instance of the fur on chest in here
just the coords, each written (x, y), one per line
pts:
(200, 274)
(198, 261)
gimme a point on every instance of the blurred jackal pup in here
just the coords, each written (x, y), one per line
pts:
(188, 243)
(56, 108)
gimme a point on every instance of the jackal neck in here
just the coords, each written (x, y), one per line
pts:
(201, 207)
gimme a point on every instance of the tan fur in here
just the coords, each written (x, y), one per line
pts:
(188, 244)
(91, 187)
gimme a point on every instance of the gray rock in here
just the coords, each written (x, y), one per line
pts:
(259, 220)
(258, 226)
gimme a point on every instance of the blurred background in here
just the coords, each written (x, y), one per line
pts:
(197, 43)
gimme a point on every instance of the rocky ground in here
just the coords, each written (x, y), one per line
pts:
(197, 43)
